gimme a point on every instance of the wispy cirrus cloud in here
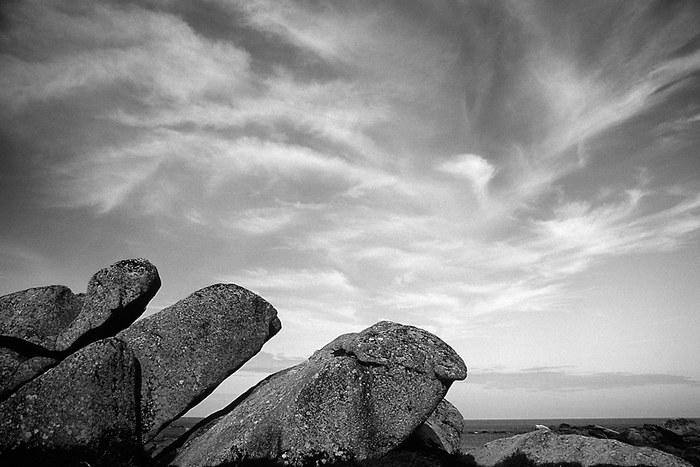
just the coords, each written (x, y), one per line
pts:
(425, 163)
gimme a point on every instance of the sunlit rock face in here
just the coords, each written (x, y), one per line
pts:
(356, 398)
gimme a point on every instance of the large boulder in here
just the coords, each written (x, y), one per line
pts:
(442, 430)
(84, 409)
(356, 398)
(544, 446)
(188, 349)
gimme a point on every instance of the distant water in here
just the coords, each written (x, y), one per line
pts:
(524, 425)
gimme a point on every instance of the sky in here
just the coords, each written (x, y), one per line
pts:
(521, 178)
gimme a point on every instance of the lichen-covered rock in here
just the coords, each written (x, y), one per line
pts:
(547, 447)
(442, 430)
(37, 316)
(116, 296)
(84, 409)
(356, 398)
(188, 349)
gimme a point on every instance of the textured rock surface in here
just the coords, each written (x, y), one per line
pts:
(116, 296)
(189, 348)
(82, 409)
(16, 369)
(358, 397)
(548, 447)
(38, 316)
(443, 429)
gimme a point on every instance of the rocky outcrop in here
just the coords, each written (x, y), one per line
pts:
(595, 431)
(356, 398)
(84, 409)
(41, 326)
(82, 383)
(680, 437)
(188, 349)
(544, 446)
(442, 430)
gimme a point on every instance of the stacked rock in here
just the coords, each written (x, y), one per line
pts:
(80, 382)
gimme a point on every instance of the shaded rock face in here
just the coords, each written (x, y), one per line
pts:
(442, 430)
(83, 409)
(356, 398)
(188, 349)
(547, 447)
(41, 326)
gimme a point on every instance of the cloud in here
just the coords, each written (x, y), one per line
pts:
(422, 164)
(155, 52)
(471, 167)
(565, 379)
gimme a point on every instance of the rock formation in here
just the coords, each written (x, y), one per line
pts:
(41, 326)
(189, 348)
(356, 398)
(547, 447)
(83, 409)
(82, 383)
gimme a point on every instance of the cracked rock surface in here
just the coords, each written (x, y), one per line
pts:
(356, 398)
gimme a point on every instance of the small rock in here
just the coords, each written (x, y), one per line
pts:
(442, 430)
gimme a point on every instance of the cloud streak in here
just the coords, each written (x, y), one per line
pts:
(565, 379)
